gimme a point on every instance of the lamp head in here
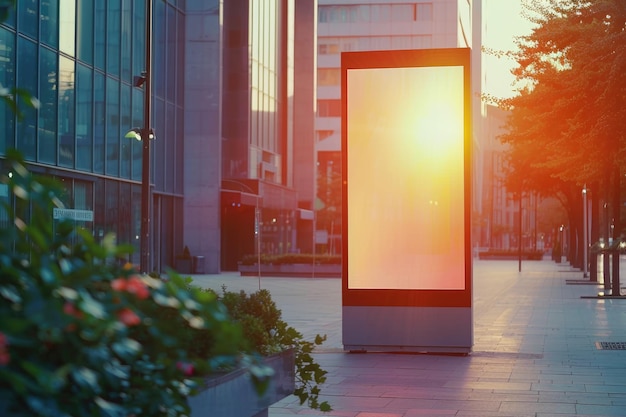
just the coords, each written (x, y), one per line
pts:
(134, 133)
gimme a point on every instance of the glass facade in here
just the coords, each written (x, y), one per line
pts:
(79, 57)
(264, 90)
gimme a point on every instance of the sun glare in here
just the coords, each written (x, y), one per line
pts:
(406, 178)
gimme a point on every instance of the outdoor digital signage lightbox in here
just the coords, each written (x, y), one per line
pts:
(406, 171)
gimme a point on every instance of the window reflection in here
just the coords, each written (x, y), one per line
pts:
(7, 79)
(112, 40)
(126, 144)
(66, 112)
(27, 79)
(84, 133)
(28, 15)
(85, 29)
(48, 106)
(99, 123)
(112, 126)
(50, 23)
(100, 34)
(126, 41)
(67, 27)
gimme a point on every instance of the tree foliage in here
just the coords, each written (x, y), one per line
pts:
(565, 126)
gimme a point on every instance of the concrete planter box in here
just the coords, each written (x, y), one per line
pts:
(232, 394)
(292, 270)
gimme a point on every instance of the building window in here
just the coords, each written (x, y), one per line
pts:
(424, 12)
(7, 79)
(27, 79)
(328, 49)
(84, 30)
(49, 23)
(376, 13)
(113, 37)
(402, 12)
(112, 127)
(67, 27)
(328, 76)
(48, 88)
(339, 14)
(28, 17)
(329, 108)
(323, 134)
(66, 114)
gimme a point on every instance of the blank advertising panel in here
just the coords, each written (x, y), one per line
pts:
(406, 175)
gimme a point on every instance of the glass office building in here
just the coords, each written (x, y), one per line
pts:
(224, 109)
(79, 59)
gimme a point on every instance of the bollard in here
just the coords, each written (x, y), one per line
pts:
(593, 260)
(593, 266)
(615, 272)
(617, 248)
(606, 260)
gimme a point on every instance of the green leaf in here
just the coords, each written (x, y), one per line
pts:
(10, 293)
(127, 349)
(117, 370)
(110, 409)
(87, 379)
(91, 306)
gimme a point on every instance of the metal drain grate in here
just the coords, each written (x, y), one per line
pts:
(611, 345)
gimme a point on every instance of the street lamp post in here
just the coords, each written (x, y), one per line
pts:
(562, 230)
(145, 134)
(146, 198)
(585, 237)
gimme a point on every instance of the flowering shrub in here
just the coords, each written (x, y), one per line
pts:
(268, 333)
(83, 335)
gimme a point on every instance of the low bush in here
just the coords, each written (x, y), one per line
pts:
(509, 253)
(81, 334)
(292, 258)
(268, 333)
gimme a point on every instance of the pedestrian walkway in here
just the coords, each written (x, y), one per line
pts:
(536, 349)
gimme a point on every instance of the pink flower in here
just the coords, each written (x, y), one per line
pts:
(128, 317)
(136, 286)
(133, 285)
(5, 357)
(119, 284)
(185, 368)
(71, 310)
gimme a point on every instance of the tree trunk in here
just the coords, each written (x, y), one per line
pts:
(616, 203)
(595, 212)
(575, 241)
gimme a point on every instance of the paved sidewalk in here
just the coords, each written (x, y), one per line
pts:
(535, 349)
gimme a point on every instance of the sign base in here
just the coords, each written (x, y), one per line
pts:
(407, 329)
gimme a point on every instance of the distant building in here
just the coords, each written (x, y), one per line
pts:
(382, 25)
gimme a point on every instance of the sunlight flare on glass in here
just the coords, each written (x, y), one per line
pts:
(406, 148)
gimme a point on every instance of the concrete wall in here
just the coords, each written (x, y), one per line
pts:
(202, 141)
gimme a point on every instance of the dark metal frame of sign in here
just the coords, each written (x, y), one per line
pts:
(430, 319)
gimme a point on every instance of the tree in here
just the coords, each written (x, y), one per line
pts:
(565, 126)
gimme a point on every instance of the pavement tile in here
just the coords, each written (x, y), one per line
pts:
(534, 350)
(601, 410)
(517, 406)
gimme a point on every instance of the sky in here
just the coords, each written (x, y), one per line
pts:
(502, 21)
